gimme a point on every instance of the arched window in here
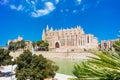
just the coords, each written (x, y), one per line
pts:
(88, 39)
(57, 45)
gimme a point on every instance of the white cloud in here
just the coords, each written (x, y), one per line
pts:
(85, 7)
(32, 2)
(56, 1)
(3, 2)
(28, 1)
(37, 8)
(19, 8)
(33, 8)
(12, 6)
(79, 1)
(49, 7)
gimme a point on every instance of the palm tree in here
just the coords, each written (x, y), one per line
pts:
(105, 66)
(116, 45)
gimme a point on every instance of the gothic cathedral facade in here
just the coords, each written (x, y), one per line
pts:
(71, 39)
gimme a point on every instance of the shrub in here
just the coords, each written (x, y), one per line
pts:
(5, 58)
(34, 67)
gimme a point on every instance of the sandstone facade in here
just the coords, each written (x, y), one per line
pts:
(16, 40)
(70, 39)
(107, 44)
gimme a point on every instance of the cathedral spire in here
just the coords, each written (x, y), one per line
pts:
(43, 32)
(47, 27)
(51, 29)
(79, 26)
(43, 35)
(82, 30)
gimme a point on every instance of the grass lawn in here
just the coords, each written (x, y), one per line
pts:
(65, 65)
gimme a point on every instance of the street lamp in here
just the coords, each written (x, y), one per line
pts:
(12, 67)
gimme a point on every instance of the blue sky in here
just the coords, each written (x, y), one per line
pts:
(29, 17)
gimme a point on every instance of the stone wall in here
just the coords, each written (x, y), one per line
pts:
(57, 55)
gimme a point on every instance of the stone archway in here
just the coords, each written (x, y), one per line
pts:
(57, 45)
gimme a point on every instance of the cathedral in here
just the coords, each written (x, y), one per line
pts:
(70, 39)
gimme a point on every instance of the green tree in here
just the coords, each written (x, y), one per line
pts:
(22, 44)
(13, 46)
(116, 45)
(42, 45)
(34, 67)
(5, 58)
(40, 42)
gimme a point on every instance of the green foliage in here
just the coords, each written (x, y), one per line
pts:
(42, 45)
(105, 66)
(33, 44)
(13, 46)
(5, 58)
(34, 67)
(72, 79)
(116, 45)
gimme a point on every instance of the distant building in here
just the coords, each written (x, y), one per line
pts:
(27, 42)
(15, 40)
(107, 44)
(70, 39)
